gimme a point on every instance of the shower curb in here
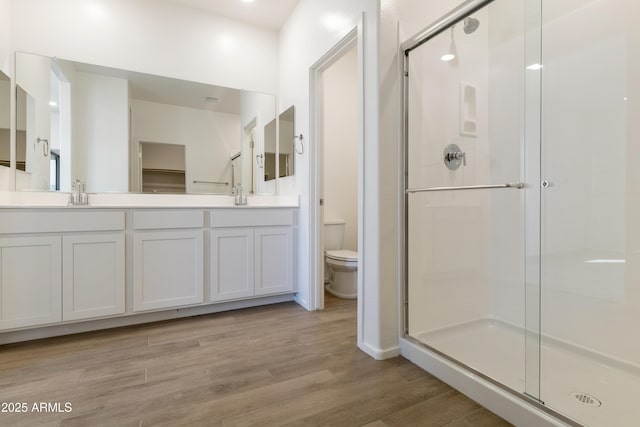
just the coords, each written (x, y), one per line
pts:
(505, 404)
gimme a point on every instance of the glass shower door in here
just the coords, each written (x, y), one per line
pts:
(472, 247)
(590, 300)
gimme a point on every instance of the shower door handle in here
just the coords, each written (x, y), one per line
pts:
(516, 185)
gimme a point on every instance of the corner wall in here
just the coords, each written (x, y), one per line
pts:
(310, 32)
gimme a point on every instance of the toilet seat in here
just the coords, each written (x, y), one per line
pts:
(343, 255)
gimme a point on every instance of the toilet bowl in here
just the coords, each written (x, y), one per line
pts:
(344, 273)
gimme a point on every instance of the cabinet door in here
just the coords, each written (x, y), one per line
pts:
(30, 281)
(167, 269)
(274, 260)
(93, 276)
(231, 251)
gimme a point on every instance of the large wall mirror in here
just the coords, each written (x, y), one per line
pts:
(279, 146)
(5, 120)
(123, 131)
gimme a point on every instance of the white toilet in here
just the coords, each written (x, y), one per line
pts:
(341, 265)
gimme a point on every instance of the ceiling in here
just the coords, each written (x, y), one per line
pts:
(270, 14)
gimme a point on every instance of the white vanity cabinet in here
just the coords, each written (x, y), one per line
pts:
(167, 259)
(60, 265)
(93, 267)
(232, 261)
(30, 281)
(72, 269)
(273, 260)
(251, 253)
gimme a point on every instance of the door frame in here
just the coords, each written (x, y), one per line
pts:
(353, 38)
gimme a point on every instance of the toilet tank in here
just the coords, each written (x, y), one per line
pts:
(333, 234)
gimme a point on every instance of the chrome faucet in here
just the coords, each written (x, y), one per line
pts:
(240, 199)
(78, 196)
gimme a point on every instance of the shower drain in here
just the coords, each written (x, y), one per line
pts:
(586, 399)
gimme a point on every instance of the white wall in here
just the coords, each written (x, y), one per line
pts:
(311, 31)
(209, 139)
(149, 36)
(101, 132)
(340, 85)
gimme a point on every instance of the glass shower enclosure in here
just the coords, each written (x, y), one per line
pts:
(522, 200)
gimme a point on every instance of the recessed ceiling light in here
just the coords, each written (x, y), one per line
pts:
(53, 103)
(534, 67)
(447, 57)
(248, 1)
(212, 99)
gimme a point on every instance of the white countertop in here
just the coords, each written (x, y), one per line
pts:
(16, 200)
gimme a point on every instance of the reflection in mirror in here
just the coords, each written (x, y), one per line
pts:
(24, 114)
(163, 168)
(270, 151)
(5, 120)
(103, 125)
(286, 140)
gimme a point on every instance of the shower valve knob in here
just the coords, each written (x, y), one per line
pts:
(454, 156)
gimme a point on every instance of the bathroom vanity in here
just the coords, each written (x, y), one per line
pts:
(127, 259)
(159, 236)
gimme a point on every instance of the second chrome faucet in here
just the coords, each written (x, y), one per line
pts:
(78, 196)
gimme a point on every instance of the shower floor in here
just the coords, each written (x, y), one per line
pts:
(497, 349)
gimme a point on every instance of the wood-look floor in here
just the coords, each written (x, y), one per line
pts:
(268, 366)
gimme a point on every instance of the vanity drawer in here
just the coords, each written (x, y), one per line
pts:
(166, 219)
(242, 217)
(20, 222)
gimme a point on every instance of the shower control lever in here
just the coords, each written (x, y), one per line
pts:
(454, 156)
(457, 156)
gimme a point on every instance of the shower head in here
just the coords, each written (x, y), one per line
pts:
(470, 25)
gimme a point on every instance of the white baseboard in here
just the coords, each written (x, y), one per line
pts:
(379, 354)
(302, 302)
